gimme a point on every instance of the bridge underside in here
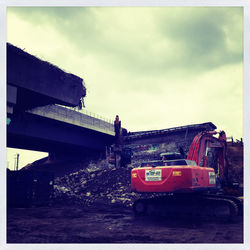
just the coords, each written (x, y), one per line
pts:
(32, 132)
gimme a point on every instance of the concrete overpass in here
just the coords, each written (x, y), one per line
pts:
(37, 122)
(53, 128)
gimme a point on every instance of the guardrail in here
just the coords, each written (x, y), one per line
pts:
(86, 112)
(70, 115)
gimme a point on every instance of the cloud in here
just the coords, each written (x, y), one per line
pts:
(203, 36)
(149, 40)
(155, 67)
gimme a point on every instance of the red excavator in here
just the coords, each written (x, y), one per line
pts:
(188, 186)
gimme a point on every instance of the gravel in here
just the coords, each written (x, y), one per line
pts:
(101, 183)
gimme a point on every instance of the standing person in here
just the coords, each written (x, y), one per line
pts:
(117, 148)
(117, 125)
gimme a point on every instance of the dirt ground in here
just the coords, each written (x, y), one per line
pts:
(113, 224)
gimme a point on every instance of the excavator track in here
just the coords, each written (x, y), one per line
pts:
(238, 202)
(196, 206)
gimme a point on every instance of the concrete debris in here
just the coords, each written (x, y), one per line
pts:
(105, 185)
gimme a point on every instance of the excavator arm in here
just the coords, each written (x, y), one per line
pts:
(200, 146)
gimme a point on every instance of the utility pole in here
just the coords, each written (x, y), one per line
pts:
(17, 161)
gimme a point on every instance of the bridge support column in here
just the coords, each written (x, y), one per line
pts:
(117, 153)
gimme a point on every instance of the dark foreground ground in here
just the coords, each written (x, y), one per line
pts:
(113, 224)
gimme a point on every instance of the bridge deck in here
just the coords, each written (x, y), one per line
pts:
(74, 117)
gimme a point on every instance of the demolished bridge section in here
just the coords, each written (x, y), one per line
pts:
(32, 82)
(148, 145)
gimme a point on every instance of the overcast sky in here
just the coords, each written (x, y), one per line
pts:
(155, 67)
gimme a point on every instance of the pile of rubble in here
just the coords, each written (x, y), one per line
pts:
(103, 184)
